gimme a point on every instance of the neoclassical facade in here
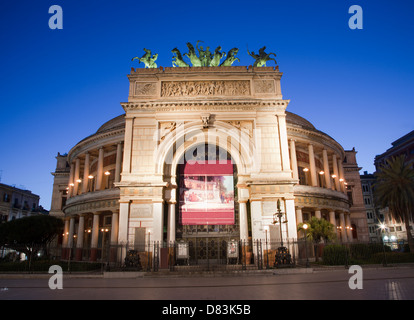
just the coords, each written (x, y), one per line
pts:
(201, 153)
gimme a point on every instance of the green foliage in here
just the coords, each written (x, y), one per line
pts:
(318, 229)
(25, 233)
(335, 254)
(394, 188)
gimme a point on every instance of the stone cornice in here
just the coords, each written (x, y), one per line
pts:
(319, 136)
(94, 141)
(216, 105)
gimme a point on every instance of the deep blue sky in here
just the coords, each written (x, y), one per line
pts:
(59, 86)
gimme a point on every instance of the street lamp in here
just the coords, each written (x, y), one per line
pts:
(382, 227)
(267, 251)
(305, 227)
(277, 218)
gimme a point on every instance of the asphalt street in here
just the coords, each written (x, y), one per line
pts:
(374, 284)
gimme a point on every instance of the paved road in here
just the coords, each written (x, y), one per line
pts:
(377, 284)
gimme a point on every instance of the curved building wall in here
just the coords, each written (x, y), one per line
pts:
(123, 178)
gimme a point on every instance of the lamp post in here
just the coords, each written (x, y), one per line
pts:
(277, 218)
(305, 227)
(382, 227)
(267, 251)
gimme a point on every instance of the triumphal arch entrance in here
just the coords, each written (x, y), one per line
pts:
(205, 158)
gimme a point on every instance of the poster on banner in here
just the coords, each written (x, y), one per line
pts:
(206, 194)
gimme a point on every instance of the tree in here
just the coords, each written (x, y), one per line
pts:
(394, 188)
(30, 234)
(318, 230)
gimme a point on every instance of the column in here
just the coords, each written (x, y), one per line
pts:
(244, 227)
(171, 222)
(99, 174)
(123, 223)
(65, 239)
(299, 215)
(85, 183)
(343, 227)
(292, 232)
(336, 173)
(95, 236)
(79, 242)
(158, 224)
(126, 165)
(294, 160)
(283, 142)
(76, 177)
(348, 227)
(71, 184)
(118, 162)
(312, 166)
(70, 236)
(299, 219)
(326, 169)
(318, 214)
(332, 218)
(341, 176)
(114, 227)
(114, 235)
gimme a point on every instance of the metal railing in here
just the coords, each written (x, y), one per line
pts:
(209, 255)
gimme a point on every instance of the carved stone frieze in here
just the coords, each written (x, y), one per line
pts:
(264, 86)
(145, 88)
(205, 88)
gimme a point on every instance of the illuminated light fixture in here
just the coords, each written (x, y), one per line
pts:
(305, 169)
(333, 176)
(67, 188)
(341, 179)
(79, 180)
(107, 173)
(321, 172)
(71, 184)
(345, 183)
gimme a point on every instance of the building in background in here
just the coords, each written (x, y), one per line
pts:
(395, 231)
(353, 188)
(374, 217)
(17, 203)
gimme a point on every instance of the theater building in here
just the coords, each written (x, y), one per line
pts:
(201, 155)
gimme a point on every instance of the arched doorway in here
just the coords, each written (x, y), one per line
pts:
(207, 211)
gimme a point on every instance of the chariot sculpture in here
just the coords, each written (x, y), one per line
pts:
(147, 59)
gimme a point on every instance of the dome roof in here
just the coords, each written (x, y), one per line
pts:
(293, 118)
(115, 123)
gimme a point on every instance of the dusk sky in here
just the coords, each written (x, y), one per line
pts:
(59, 86)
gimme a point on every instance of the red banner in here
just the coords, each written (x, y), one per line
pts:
(206, 194)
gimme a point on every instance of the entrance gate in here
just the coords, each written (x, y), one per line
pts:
(207, 217)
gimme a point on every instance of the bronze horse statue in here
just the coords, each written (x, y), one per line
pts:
(178, 60)
(262, 58)
(231, 57)
(147, 59)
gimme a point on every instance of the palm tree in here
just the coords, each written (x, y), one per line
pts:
(318, 230)
(394, 188)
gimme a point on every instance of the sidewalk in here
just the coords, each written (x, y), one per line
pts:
(166, 273)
